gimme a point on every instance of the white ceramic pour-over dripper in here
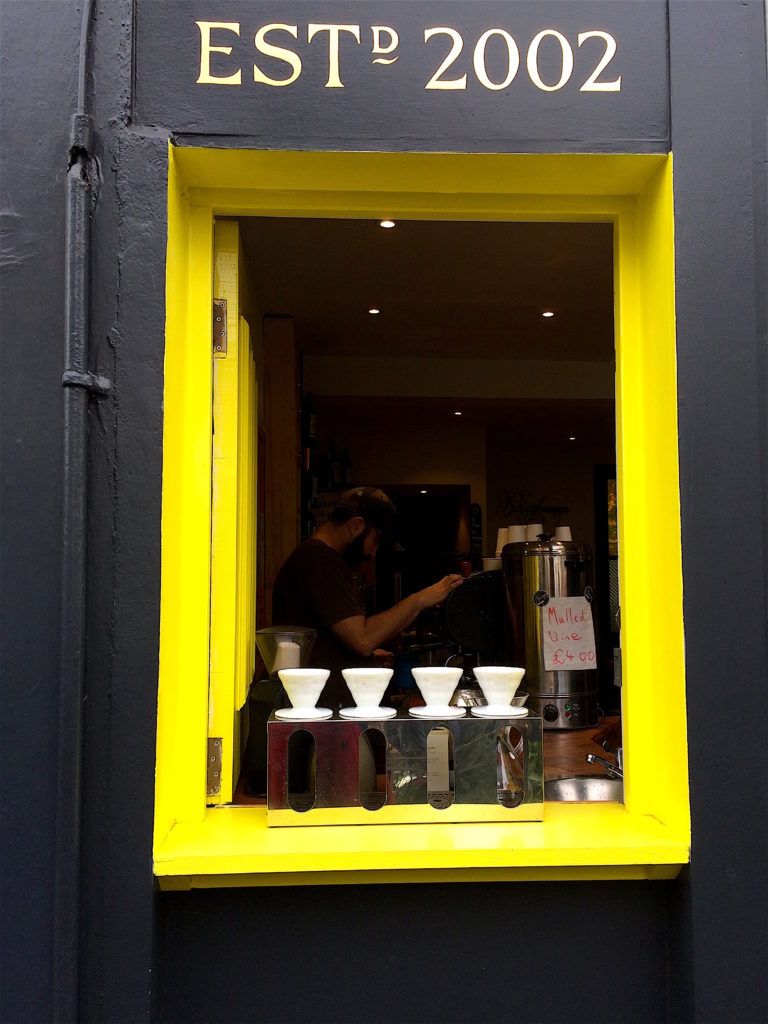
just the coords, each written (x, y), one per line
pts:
(367, 685)
(499, 683)
(437, 683)
(304, 686)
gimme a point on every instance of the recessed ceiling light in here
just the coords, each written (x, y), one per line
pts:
(458, 412)
(422, 492)
(386, 224)
(547, 313)
(571, 438)
(373, 311)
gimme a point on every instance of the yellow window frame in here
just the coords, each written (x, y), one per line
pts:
(647, 836)
(233, 518)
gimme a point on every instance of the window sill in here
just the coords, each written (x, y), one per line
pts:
(233, 846)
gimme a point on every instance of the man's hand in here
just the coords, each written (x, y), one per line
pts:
(439, 591)
(365, 635)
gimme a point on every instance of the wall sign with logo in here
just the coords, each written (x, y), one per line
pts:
(589, 75)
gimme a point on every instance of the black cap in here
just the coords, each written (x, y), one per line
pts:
(375, 507)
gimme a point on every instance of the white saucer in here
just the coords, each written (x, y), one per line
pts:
(437, 711)
(369, 714)
(499, 711)
(303, 714)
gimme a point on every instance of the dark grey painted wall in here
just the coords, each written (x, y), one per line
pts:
(686, 950)
(531, 953)
(719, 143)
(33, 144)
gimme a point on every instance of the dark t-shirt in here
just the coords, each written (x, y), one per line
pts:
(315, 587)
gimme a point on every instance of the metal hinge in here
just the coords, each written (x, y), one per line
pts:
(213, 774)
(219, 327)
(617, 666)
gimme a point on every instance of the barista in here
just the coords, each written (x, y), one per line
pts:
(315, 588)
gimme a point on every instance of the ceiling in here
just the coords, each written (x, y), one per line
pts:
(466, 290)
(452, 289)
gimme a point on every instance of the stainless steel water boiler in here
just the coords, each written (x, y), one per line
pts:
(535, 572)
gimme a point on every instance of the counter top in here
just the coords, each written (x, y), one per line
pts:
(565, 750)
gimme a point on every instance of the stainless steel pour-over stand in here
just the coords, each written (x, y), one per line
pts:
(334, 789)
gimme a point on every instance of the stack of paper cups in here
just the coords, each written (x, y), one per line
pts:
(533, 530)
(502, 538)
(288, 655)
(516, 534)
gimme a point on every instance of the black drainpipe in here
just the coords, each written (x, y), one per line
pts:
(78, 385)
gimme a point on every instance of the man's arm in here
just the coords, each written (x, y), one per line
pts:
(364, 635)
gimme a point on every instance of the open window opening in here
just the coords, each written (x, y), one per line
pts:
(466, 369)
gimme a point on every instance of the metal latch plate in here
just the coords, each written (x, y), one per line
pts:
(213, 775)
(220, 327)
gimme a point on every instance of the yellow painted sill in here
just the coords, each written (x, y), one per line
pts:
(233, 846)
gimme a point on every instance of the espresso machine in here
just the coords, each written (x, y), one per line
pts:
(476, 621)
(549, 597)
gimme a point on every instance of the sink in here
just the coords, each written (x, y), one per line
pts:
(585, 788)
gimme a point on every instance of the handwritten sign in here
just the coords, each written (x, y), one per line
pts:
(569, 635)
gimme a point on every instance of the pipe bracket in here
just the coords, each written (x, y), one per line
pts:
(92, 382)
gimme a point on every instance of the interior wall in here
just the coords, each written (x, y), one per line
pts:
(460, 378)
(398, 451)
(532, 479)
(512, 479)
